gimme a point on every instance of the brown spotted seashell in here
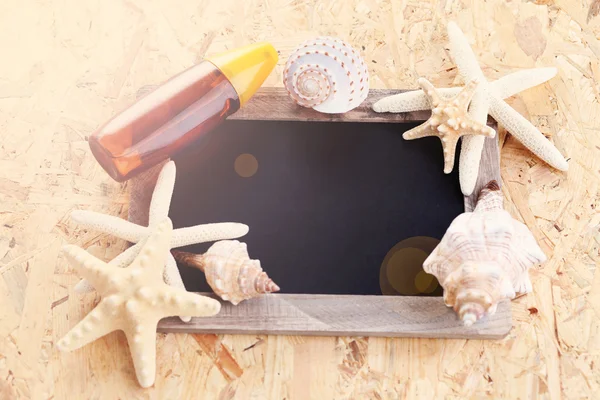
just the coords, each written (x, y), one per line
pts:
(484, 258)
(327, 75)
(229, 271)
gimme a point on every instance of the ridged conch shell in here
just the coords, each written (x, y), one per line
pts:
(326, 74)
(229, 271)
(484, 258)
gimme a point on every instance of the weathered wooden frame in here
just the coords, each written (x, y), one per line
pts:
(347, 315)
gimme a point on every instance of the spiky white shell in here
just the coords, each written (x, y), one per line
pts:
(326, 74)
(484, 258)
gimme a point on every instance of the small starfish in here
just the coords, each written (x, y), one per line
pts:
(134, 299)
(159, 210)
(449, 120)
(488, 99)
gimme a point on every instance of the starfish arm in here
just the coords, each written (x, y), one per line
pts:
(505, 87)
(111, 225)
(93, 326)
(172, 277)
(469, 161)
(83, 287)
(476, 128)
(519, 81)
(207, 233)
(415, 100)
(127, 257)
(142, 346)
(156, 248)
(95, 271)
(472, 145)
(120, 261)
(421, 131)
(161, 196)
(526, 133)
(430, 92)
(465, 96)
(172, 302)
(449, 144)
(463, 55)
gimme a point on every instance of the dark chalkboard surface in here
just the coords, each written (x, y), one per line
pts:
(333, 208)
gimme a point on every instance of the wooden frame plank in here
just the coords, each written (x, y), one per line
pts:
(348, 315)
(343, 315)
(274, 104)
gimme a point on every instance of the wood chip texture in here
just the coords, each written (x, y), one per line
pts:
(69, 66)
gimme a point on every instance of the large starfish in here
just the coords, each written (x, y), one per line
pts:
(134, 299)
(159, 210)
(449, 120)
(488, 98)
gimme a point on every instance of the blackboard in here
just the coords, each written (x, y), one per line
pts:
(333, 208)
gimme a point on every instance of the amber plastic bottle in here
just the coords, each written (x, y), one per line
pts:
(181, 110)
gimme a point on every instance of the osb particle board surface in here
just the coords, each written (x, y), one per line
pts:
(66, 67)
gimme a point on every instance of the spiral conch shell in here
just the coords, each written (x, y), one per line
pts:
(229, 271)
(326, 74)
(484, 258)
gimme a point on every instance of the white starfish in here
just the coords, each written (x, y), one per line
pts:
(134, 299)
(159, 210)
(488, 98)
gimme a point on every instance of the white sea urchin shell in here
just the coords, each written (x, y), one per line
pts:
(326, 74)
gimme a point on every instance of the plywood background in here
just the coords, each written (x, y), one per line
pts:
(66, 66)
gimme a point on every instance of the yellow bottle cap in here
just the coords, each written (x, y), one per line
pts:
(246, 67)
